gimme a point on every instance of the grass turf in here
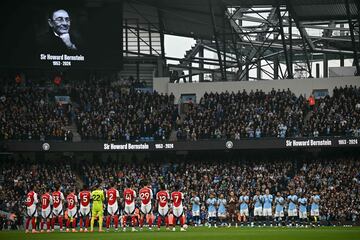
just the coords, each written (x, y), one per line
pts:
(327, 233)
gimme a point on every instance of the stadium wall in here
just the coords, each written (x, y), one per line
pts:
(298, 86)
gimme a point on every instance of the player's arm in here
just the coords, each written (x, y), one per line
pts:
(36, 200)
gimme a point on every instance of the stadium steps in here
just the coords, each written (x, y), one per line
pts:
(73, 129)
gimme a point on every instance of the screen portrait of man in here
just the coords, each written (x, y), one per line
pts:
(59, 22)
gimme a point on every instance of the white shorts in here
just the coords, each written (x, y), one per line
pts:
(196, 213)
(129, 209)
(31, 211)
(279, 214)
(244, 212)
(178, 211)
(212, 214)
(267, 212)
(84, 211)
(58, 211)
(113, 209)
(72, 213)
(302, 214)
(314, 212)
(46, 213)
(163, 211)
(258, 211)
(292, 213)
(222, 214)
(146, 209)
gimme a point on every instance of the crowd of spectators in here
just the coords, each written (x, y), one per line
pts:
(113, 113)
(244, 115)
(337, 115)
(31, 113)
(119, 110)
(336, 178)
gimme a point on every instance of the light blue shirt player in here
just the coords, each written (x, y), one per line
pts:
(292, 209)
(244, 206)
(211, 202)
(315, 202)
(258, 201)
(267, 200)
(221, 202)
(279, 206)
(195, 201)
(303, 207)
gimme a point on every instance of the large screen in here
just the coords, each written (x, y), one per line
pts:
(61, 34)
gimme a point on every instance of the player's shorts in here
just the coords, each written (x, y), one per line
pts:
(57, 211)
(196, 213)
(46, 213)
(163, 211)
(178, 211)
(129, 209)
(212, 214)
(113, 209)
(97, 211)
(244, 212)
(221, 214)
(292, 213)
(72, 213)
(146, 208)
(84, 211)
(258, 211)
(302, 214)
(314, 212)
(279, 213)
(267, 212)
(31, 211)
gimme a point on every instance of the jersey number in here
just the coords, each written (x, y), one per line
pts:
(56, 199)
(128, 197)
(144, 196)
(162, 199)
(96, 197)
(111, 196)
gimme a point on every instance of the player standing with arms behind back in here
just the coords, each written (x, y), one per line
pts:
(72, 201)
(58, 200)
(129, 209)
(162, 202)
(98, 198)
(84, 199)
(146, 196)
(177, 198)
(195, 208)
(46, 205)
(112, 196)
(31, 213)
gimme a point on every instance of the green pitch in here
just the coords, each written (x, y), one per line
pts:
(326, 233)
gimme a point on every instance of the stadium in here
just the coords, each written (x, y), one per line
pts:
(192, 119)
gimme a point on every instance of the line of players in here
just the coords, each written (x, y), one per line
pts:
(90, 205)
(267, 209)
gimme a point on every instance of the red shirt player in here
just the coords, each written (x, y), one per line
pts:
(129, 198)
(84, 199)
(146, 195)
(162, 199)
(31, 212)
(46, 203)
(112, 196)
(58, 199)
(71, 200)
(177, 198)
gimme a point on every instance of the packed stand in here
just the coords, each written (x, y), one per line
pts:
(31, 113)
(338, 115)
(244, 115)
(111, 113)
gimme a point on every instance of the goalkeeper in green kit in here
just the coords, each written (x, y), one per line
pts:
(98, 198)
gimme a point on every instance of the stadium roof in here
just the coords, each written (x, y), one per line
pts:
(193, 18)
